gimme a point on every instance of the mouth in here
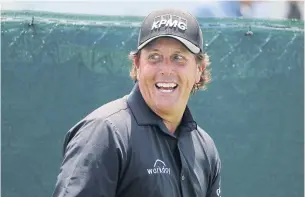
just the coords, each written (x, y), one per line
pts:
(166, 87)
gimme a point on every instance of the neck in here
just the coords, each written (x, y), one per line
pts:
(171, 126)
(172, 120)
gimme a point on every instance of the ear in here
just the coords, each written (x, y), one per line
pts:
(135, 61)
(200, 69)
(136, 64)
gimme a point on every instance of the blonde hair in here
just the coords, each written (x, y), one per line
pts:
(202, 58)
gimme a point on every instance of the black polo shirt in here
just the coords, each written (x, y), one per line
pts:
(123, 149)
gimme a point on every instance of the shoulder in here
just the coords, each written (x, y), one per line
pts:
(112, 118)
(109, 110)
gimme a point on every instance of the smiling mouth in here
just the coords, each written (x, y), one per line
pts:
(166, 87)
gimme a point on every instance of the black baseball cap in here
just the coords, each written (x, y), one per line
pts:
(174, 23)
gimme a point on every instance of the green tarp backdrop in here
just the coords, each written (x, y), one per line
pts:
(56, 68)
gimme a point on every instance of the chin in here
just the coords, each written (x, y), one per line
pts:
(165, 106)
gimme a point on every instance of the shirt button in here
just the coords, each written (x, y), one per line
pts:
(182, 177)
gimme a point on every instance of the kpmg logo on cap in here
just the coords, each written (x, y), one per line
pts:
(170, 21)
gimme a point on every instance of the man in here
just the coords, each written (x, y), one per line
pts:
(147, 144)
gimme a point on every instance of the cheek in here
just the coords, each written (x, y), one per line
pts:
(146, 72)
(192, 76)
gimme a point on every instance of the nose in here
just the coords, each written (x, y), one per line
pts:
(167, 67)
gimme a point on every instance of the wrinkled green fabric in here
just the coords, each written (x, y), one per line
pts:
(61, 67)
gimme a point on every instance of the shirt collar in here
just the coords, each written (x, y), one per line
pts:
(145, 116)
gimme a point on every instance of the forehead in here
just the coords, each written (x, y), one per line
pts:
(166, 42)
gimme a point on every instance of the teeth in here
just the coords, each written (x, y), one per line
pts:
(166, 91)
(166, 85)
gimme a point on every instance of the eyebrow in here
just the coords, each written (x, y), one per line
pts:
(150, 49)
(180, 50)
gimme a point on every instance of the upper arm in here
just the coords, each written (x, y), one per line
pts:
(215, 184)
(92, 161)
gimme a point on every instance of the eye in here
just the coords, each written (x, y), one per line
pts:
(179, 58)
(154, 57)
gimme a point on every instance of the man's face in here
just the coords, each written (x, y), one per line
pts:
(166, 73)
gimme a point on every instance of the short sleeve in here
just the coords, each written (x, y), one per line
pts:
(91, 163)
(215, 185)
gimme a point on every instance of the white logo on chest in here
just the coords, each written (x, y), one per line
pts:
(159, 168)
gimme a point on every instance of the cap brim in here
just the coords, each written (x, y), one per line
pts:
(193, 48)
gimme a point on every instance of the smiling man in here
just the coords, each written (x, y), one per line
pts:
(147, 144)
